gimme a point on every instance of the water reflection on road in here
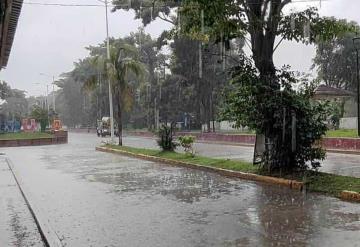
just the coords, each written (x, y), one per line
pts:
(98, 199)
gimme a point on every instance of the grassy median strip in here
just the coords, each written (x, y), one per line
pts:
(24, 136)
(199, 160)
(342, 133)
(315, 181)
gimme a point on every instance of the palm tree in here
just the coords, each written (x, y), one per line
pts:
(124, 63)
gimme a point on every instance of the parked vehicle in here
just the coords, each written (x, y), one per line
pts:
(103, 127)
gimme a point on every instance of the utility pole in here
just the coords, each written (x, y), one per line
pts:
(358, 88)
(54, 93)
(108, 61)
(47, 98)
(357, 48)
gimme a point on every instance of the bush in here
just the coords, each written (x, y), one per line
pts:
(187, 143)
(41, 116)
(291, 121)
(166, 138)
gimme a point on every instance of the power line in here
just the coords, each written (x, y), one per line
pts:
(129, 5)
(64, 4)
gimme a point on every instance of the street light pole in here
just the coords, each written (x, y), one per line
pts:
(357, 48)
(54, 93)
(53, 90)
(108, 61)
(47, 98)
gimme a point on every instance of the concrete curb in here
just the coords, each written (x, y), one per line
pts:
(56, 139)
(342, 151)
(350, 196)
(228, 173)
(48, 235)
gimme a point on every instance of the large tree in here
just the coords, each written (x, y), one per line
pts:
(124, 63)
(335, 62)
(205, 89)
(263, 23)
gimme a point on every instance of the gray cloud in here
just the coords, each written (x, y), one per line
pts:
(49, 39)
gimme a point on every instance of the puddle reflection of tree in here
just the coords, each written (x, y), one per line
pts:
(286, 217)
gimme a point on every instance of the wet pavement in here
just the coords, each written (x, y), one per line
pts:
(98, 199)
(17, 227)
(342, 164)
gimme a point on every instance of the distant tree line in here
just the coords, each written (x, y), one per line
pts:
(169, 90)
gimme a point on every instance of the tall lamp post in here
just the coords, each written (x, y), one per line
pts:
(108, 60)
(357, 48)
(53, 89)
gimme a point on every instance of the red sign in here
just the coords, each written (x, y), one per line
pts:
(28, 125)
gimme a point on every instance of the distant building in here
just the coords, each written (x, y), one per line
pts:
(9, 16)
(344, 97)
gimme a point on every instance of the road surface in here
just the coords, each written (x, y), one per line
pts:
(98, 199)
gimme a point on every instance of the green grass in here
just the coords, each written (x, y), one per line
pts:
(211, 162)
(342, 133)
(315, 181)
(332, 184)
(24, 136)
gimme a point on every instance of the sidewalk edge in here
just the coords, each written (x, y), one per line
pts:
(48, 235)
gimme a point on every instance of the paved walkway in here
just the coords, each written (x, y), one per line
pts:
(17, 227)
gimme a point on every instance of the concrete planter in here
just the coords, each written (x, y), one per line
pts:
(60, 137)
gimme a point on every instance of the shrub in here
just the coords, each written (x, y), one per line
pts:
(166, 138)
(187, 143)
(291, 121)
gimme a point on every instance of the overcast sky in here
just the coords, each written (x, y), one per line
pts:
(50, 38)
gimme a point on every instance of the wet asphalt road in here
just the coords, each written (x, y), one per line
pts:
(99, 199)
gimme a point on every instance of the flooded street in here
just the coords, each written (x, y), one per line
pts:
(98, 199)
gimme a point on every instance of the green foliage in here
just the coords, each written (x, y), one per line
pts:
(166, 138)
(15, 105)
(40, 115)
(236, 19)
(335, 62)
(187, 143)
(5, 90)
(262, 96)
(335, 114)
(269, 111)
(148, 10)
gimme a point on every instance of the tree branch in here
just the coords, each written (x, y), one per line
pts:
(266, 3)
(165, 19)
(283, 3)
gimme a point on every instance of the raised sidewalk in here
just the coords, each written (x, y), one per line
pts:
(17, 226)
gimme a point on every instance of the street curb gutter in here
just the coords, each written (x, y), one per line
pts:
(350, 196)
(342, 151)
(228, 173)
(48, 235)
